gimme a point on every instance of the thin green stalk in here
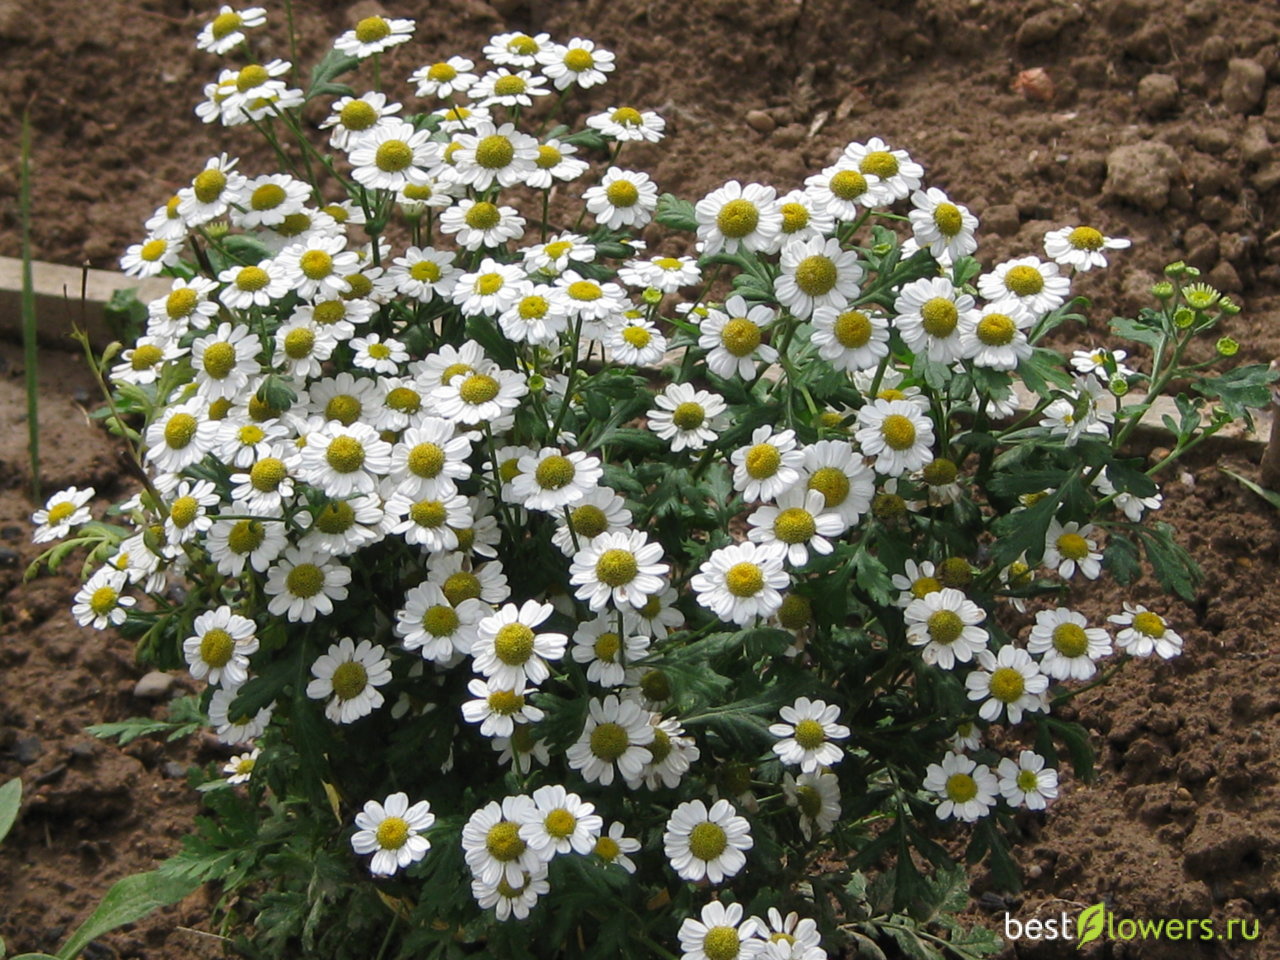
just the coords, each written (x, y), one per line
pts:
(293, 33)
(29, 310)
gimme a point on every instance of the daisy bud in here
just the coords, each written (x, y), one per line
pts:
(1118, 386)
(1227, 347)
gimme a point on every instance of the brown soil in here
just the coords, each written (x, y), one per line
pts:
(1184, 818)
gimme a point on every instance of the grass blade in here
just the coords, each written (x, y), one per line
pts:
(29, 311)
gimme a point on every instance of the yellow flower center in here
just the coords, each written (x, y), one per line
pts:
(372, 29)
(252, 279)
(180, 430)
(344, 408)
(898, 431)
(1073, 546)
(589, 521)
(606, 847)
(1069, 639)
(421, 192)
(181, 302)
(744, 579)
(294, 225)
(945, 626)
(948, 219)
(609, 741)
(996, 330)
(1149, 624)
(506, 702)
(1024, 281)
(617, 567)
(848, 184)
(358, 115)
(940, 317)
(103, 600)
(335, 517)
(832, 483)
(305, 580)
(656, 685)
(503, 841)
(145, 357)
(208, 185)
(316, 264)
(392, 833)
(345, 454)
(428, 513)
(1007, 684)
(810, 735)
(495, 152)
(555, 472)
(513, 644)
(795, 216)
(816, 275)
(298, 343)
(217, 647)
(487, 284)
(509, 86)
(251, 435)
(478, 388)
(762, 461)
(795, 525)
(961, 788)
(585, 290)
(737, 218)
(461, 586)
(1086, 238)
(740, 336)
(483, 216)
(427, 271)
(440, 620)
(225, 24)
(441, 73)
(267, 474)
(533, 307)
(426, 460)
(182, 511)
(809, 800)
(523, 44)
(1028, 781)
(153, 250)
(707, 841)
(330, 311)
(622, 193)
(392, 156)
(879, 163)
(796, 612)
(688, 415)
(219, 359)
(637, 337)
(627, 117)
(578, 60)
(246, 536)
(721, 943)
(852, 329)
(349, 680)
(560, 823)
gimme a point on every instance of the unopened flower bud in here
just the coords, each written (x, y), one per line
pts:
(1228, 347)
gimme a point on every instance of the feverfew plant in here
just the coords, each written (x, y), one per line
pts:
(559, 595)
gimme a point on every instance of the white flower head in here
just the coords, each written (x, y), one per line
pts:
(706, 844)
(1068, 548)
(622, 567)
(1081, 247)
(101, 603)
(734, 336)
(967, 790)
(1027, 782)
(62, 511)
(687, 417)
(492, 845)
(1145, 632)
(374, 35)
(392, 832)
(1067, 646)
(741, 582)
(770, 465)
(225, 31)
(239, 768)
(616, 736)
(799, 523)
(734, 217)
(348, 676)
(817, 273)
(624, 198)
(1008, 683)
(945, 624)
(897, 434)
(498, 708)
(508, 651)
(560, 822)
(721, 932)
(220, 648)
(1035, 284)
(943, 228)
(817, 796)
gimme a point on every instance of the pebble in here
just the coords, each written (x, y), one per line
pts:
(9, 558)
(1255, 145)
(27, 750)
(789, 136)
(174, 770)
(84, 750)
(1035, 871)
(1225, 278)
(1039, 28)
(1002, 219)
(1158, 95)
(760, 121)
(1244, 86)
(1142, 174)
(1267, 178)
(153, 686)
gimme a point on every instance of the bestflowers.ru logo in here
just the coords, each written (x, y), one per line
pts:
(1099, 923)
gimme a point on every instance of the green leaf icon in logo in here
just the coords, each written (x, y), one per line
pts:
(1090, 923)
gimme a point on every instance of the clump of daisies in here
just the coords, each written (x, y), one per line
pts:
(625, 584)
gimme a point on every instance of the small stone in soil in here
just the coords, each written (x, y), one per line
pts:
(1158, 95)
(27, 750)
(1243, 88)
(50, 776)
(9, 558)
(83, 750)
(153, 686)
(174, 770)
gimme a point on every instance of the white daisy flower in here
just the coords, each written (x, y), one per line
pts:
(617, 734)
(578, 62)
(665, 274)
(253, 286)
(721, 933)
(187, 517)
(508, 651)
(302, 346)
(832, 468)
(239, 768)
(347, 676)
(1080, 412)
(945, 623)
(521, 749)
(688, 417)
(1068, 548)
(917, 581)
(658, 618)
(843, 191)
(374, 35)
(588, 299)
(242, 442)
(734, 217)
(187, 303)
(555, 162)
(673, 755)
(536, 314)
(998, 338)
(606, 654)
(706, 844)
(624, 198)
(219, 650)
(943, 228)
(236, 728)
(932, 316)
(490, 154)
(342, 527)
(353, 118)
(967, 737)
(806, 733)
(734, 338)
(1031, 281)
(627, 123)
(803, 218)
(392, 832)
(342, 460)
(817, 796)
(492, 845)
(181, 436)
(512, 900)
(1081, 247)
(225, 31)
(461, 581)
(391, 155)
(1098, 360)
(558, 253)
(62, 511)
(492, 289)
(318, 267)
(498, 707)
(151, 257)
(817, 273)
(224, 361)
(897, 434)
(445, 78)
(621, 566)
(100, 603)
(550, 479)
(517, 49)
(212, 192)
(600, 511)
(966, 789)
(850, 339)
(1027, 782)
(897, 175)
(437, 628)
(304, 584)
(233, 543)
(456, 117)
(509, 89)
(429, 459)
(741, 582)
(424, 272)
(478, 223)
(1145, 632)
(429, 522)
(378, 355)
(799, 522)
(560, 822)
(1008, 683)
(613, 847)
(265, 488)
(166, 221)
(770, 465)
(636, 343)
(1130, 504)
(1066, 645)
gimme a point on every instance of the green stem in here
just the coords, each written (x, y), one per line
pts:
(30, 359)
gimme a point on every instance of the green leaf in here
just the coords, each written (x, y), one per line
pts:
(10, 801)
(1023, 531)
(126, 315)
(1238, 389)
(334, 64)
(1042, 368)
(1121, 558)
(1137, 331)
(245, 249)
(676, 213)
(1090, 924)
(127, 901)
(1270, 496)
(1173, 566)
